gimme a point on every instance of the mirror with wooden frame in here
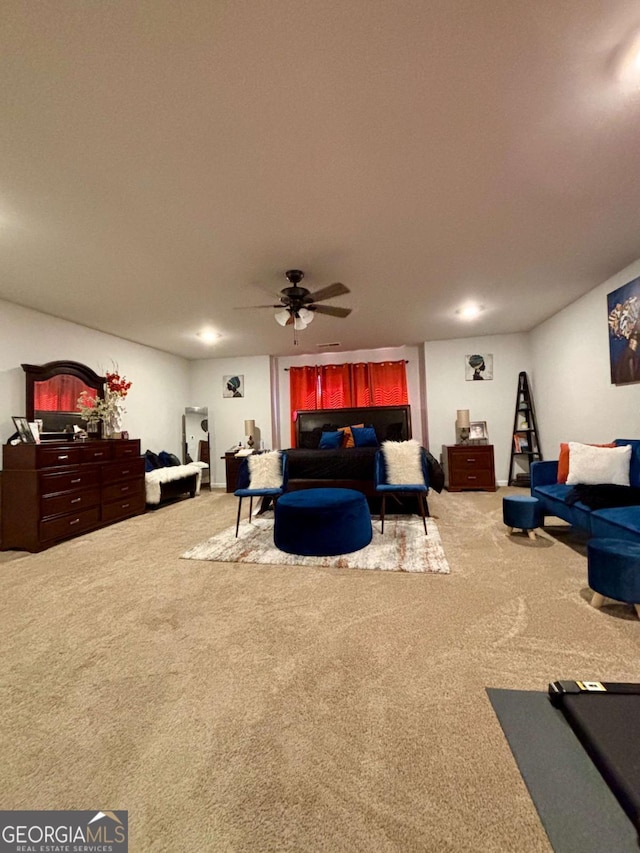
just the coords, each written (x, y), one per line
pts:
(52, 392)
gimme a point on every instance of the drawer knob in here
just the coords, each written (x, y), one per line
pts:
(77, 480)
(75, 521)
(63, 455)
(76, 500)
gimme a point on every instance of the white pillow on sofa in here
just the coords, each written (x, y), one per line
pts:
(591, 466)
(265, 470)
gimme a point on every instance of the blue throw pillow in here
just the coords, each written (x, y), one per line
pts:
(168, 459)
(152, 461)
(364, 436)
(330, 440)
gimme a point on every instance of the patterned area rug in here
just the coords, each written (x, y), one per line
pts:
(402, 548)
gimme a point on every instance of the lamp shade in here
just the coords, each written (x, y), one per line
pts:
(249, 427)
(462, 419)
(305, 315)
(282, 316)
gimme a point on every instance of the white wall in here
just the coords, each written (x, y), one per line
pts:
(413, 356)
(160, 381)
(575, 400)
(492, 401)
(228, 414)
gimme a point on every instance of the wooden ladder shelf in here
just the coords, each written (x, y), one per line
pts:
(525, 442)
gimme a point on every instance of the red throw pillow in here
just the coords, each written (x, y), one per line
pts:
(563, 459)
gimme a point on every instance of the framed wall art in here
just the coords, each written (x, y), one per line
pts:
(478, 366)
(233, 386)
(623, 318)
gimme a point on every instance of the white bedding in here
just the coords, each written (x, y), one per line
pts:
(153, 479)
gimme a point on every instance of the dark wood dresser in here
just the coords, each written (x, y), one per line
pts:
(469, 466)
(59, 489)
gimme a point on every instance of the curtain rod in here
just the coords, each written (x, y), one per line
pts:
(286, 369)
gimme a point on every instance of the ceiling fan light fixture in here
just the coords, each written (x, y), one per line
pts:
(298, 323)
(305, 315)
(282, 316)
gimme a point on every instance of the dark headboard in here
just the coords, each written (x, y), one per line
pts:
(393, 422)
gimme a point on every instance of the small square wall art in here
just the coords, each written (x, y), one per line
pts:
(233, 386)
(478, 366)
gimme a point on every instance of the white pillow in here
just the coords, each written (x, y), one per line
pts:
(591, 466)
(403, 462)
(265, 470)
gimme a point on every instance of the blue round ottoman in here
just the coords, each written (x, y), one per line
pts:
(322, 522)
(523, 512)
(614, 571)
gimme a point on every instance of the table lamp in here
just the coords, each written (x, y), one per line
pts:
(463, 425)
(249, 430)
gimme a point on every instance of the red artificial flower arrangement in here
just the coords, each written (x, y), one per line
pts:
(117, 384)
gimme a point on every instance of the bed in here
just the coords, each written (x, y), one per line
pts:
(352, 467)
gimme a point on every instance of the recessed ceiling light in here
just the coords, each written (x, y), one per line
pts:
(629, 62)
(207, 336)
(470, 311)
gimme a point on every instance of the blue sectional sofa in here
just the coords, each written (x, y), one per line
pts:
(615, 522)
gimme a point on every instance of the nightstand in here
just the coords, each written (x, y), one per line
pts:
(469, 466)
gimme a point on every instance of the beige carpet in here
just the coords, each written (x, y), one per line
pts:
(403, 547)
(318, 710)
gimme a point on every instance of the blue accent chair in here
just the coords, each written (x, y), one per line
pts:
(384, 488)
(244, 489)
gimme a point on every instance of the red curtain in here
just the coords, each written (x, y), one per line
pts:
(341, 386)
(334, 383)
(303, 393)
(59, 394)
(388, 383)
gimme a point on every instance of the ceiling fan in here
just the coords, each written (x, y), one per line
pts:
(298, 305)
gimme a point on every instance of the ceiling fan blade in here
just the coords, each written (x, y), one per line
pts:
(328, 292)
(332, 310)
(244, 307)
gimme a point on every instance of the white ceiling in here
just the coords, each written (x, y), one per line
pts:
(162, 164)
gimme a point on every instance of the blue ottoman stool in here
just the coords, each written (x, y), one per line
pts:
(614, 571)
(322, 522)
(523, 512)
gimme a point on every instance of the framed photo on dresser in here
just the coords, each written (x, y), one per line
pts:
(24, 430)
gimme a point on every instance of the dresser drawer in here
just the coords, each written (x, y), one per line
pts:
(70, 502)
(126, 448)
(471, 460)
(478, 479)
(97, 451)
(124, 489)
(112, 472)
(133, 505)
(70, 525)
(70, 480)
(49, 457)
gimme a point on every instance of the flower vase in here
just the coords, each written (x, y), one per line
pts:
(112, 427)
